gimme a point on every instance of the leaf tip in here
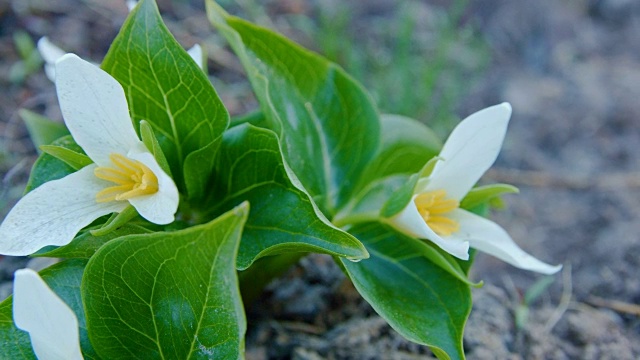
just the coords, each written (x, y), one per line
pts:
(242, 210)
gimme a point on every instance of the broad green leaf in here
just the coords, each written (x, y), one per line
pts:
(168, 295)
(85, 244)
(48, 168)
(418, 299)
(74, 159)
(283, 217)
(16, 344)
(64, 279)
(42, 130)
(326, 121)
(482, 194)
(406, 145)
(165, 87)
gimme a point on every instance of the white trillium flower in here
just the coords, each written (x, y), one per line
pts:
(434, 213)
(125, 173)
(51, 324)
(50, 53)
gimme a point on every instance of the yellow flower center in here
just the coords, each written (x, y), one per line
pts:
(433, 207)
(132, 177)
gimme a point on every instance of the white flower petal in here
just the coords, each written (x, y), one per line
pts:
(52, 325)
(53, 213)
(159, 208)
(470, 150)
(196, 54)
(50, 54)
(489, 237)
(131, 4)
(94, 108)
(411, 223)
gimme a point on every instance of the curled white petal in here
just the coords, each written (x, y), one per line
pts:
(196, 54)
(469, 152)
(160, 207)
(94, 108)
(50, 53)
(489, 237)
(411, 223)
(51, 324)
(54, 212)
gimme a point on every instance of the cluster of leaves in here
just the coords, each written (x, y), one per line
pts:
(310, 174)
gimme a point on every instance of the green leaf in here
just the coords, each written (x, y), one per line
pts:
(483, 194)
(168, 295)
(255, 118)
(283, 217)
(403, 194)
(151, 142)
(42, 130)
(64, 279)
(406, 145)
(85, 245)
(165, 87)
(116, 220)
(418, 299)
(15, 342)
(366, 206)
(326, 121)
(48, 168)
(400, 197)
(74, 159)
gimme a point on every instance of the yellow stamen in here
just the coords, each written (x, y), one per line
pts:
(132, 177)
(433, 207)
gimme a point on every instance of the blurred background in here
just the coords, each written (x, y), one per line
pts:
(571, 70)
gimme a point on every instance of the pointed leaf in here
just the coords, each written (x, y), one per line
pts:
(165, 87)
(48, 168)
(168, 295)
(419, 300)
(42, 130)
(327, 123)
(74, 159)
(151, 142)
(482, 194)
(283, 216)
(404, 193)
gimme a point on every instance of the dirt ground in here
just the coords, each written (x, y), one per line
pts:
(571, 70)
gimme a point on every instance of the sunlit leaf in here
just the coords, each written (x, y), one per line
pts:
(283, 217)
(165, 87)
(418, 298)
(326, 121)
(168, 295)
